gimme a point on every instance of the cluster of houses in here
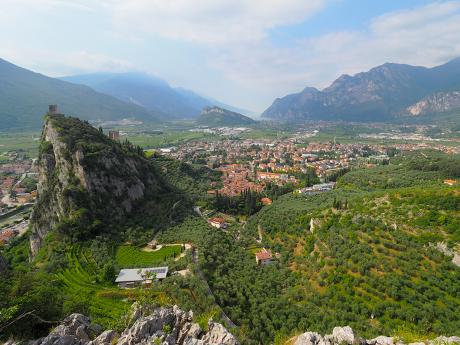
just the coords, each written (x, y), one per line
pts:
(11, 232)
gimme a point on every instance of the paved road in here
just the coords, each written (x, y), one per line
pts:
(200, 274)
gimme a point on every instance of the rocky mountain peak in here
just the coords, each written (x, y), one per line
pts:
(381, 94)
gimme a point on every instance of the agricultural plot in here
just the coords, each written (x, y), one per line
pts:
(20, 141)
(130, 256)
(106, 304)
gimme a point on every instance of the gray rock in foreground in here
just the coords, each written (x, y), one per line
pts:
(173, 326)
(165, 326)
(345, 336)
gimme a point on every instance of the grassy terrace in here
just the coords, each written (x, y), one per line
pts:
(130, 256)
(106, 303)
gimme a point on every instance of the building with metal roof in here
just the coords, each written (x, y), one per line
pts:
(131, 277)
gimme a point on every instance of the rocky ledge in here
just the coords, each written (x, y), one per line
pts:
(173, 326)
(345, 335)
(164, 326)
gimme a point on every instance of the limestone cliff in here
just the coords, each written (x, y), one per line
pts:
(437, 103)
(90, 182)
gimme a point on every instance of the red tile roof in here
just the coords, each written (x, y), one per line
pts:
(263, 255)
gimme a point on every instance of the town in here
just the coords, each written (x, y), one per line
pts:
(298, 161)
(18, 180)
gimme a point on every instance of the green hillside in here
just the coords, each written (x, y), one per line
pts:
(219, 117)
(369, 261)
(25, 96)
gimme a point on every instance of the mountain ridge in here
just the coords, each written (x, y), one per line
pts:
(24, 93)
(382, 94)
(148, 91)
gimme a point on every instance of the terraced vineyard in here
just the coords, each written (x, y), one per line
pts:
(129, 256)
(106, 304)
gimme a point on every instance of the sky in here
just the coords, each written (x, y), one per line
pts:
(242, 52)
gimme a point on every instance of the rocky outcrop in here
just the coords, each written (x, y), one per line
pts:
(87, 179)
(346, 336)
(437, 103)
(165, 326)
(443, 248)
(173, 326)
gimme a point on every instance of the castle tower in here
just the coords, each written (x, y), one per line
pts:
(53, 109)
(114, 135)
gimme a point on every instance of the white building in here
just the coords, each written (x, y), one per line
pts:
(132, 277)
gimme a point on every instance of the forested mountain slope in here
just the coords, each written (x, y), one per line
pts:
(23, 95)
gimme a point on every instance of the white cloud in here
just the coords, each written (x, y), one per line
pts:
(55, 63)
(211, 21)
(426, 35)
(233, 37)
(85, 61)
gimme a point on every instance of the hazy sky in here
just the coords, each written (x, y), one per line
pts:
(242, 52)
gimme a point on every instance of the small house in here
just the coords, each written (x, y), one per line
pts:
(218, 223)
(132, 277)
(264, 257)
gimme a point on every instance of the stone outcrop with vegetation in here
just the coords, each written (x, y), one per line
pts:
(173, 326)
(346, 336)
(88, 182)
(164, 326)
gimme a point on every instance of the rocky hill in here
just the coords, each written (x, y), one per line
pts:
(88, 182)
(216, 117)
(23, 95)
(384, 93)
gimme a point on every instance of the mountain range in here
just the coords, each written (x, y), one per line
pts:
(149, 92)
(383, 94)
(24, 95)
(98, 97)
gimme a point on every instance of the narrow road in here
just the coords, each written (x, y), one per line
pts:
(200, 274)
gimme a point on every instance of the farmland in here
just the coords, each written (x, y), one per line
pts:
(105, 303)
(129, 256)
